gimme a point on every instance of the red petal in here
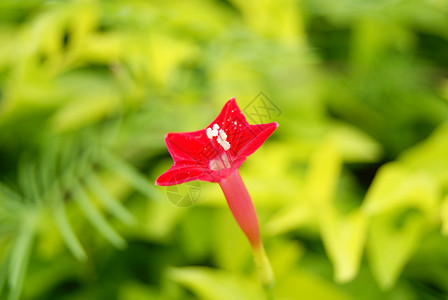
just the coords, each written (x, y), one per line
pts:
(253, 137)
(243, 138)
(228, 115)
(189, 146)
(180, 174)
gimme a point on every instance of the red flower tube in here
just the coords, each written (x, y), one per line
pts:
(214, 154)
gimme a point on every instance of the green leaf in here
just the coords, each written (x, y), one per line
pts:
(444, 215)
(393, 238)
(110, 203)
(402, 203)
(67, 232)
(160, 219)
(323, 175)
(343, 235)
(430, 155)
(231, 249)
(344, 239)
(208, 283)
(20, 253)
(28, 184)
(94, 105)
(3, 273)
(10, 200)
(96, 218)
(296, 215)
(301, 284)
(395, 186)
(137, 291)
(130, 173)
(284, 255)
(354, 145)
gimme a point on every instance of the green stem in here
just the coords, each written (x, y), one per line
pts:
(269, 291)
(264, 267)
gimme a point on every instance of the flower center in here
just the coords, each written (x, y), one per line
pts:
(221, 136)
(220, 163)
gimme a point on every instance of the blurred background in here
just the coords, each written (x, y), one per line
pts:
(351, 190)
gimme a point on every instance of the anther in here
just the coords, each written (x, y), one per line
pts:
(221, 136)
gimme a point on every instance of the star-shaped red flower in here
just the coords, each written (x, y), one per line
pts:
(212, 154)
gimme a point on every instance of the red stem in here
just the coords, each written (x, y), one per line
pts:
(241, 206)
(244, 213)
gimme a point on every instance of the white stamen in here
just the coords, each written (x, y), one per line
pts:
(223, 143)
(219, 139)
(209, 133)
(212, 132)
(222, 134)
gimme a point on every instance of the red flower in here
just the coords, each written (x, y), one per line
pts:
(212, 154)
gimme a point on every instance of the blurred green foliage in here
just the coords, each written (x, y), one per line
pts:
(351, 191)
